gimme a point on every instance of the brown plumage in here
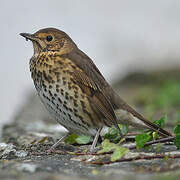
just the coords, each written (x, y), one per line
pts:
(73, 89)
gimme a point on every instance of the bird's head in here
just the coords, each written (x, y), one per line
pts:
(50, 40)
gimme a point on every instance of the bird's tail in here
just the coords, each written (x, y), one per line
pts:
(125, 114)
(138, 121)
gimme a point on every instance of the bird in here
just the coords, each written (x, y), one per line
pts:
(74, 91)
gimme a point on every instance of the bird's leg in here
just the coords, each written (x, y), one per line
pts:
(95, 140)
(52, 148)
(120, 133)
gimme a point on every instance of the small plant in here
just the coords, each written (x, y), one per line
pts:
(112, 143)
(177, 137)
(75, 139)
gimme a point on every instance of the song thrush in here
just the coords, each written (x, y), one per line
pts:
(73, 89)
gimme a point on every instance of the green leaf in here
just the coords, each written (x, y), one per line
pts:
(121, 141)
(177, 138)
(160, 122)
(118, 153)
(177, 129)
(141, 139)
(71, 139)
(107, 146)
(124, 128)
(155, 135)
(177, 141)
(83, 139)
(166, 157)
(111, 134)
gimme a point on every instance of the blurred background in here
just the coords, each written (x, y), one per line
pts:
(120, 36)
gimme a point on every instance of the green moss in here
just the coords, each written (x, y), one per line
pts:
(164, 98)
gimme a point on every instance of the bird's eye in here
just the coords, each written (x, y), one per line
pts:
(49, 38)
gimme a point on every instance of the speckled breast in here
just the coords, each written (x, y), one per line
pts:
(62, 97)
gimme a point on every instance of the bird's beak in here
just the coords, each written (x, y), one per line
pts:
(29, 36)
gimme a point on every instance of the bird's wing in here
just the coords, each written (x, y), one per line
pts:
(89, 68)
(96, 96)
(105, 90)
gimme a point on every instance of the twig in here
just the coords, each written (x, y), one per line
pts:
(162, 140)
(132, 134)
(157, 156)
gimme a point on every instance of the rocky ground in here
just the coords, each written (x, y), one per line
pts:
(24, 142)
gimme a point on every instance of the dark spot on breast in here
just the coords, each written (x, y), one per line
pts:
(76, 114)
(64, 105)
(69, 87)
(75, 87)
(59, 62)
(59, 100)
(81, 118)
(74, 67)
(62, 92)
(59, 109)
(50, 93)
(70, 110)
(48, 78)
(39, 74)
(75, 103)
(66, 97)
(83, 104)
(57, 74)
(81, 125)
(69, 116)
